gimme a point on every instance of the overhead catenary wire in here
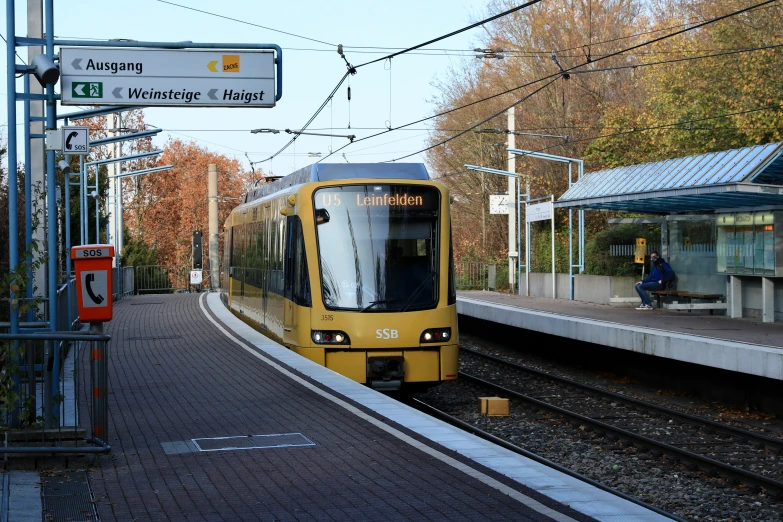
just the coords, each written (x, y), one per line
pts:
(352, 69)
(453, 33)
(636, 130)
(585, 71)
(573, 68)
(244, 22)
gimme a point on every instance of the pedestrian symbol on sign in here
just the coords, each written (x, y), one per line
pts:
(87, 89)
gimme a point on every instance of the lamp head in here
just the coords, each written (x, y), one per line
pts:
(45, 70)
(64, 166)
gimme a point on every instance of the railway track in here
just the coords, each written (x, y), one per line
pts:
(753, 459)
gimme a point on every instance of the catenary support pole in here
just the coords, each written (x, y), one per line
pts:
(111, 199)
(51, 215)
(37, 145)
(512, 182)
(214, 238)
(28, 202)
(554, 274)
(527, 239)
(13, 225)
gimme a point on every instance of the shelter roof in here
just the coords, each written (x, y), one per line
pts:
(746, 177)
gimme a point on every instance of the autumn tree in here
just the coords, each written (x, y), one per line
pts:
(554, 111)
(725, 100)
(567, 68)
(168, 206)
(126, 122)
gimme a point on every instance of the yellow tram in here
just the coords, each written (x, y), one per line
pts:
(351, 266)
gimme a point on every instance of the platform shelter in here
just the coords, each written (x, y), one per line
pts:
(738, 192)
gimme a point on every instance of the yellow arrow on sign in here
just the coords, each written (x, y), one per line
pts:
(211, 66)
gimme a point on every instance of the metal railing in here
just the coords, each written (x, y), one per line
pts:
(164, 279)
(470, 275)
(692, 250)
(67, 307)
(127, 286)
(630, 250)
(37, 421)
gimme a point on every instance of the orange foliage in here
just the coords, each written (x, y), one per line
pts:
(168, 206)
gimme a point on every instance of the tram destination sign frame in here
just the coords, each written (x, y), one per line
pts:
(167, 77)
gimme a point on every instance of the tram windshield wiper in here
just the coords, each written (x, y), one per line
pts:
(379, 301)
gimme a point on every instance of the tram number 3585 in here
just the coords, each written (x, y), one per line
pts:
(386, 333)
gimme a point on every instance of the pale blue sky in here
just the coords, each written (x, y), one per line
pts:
(308, 75)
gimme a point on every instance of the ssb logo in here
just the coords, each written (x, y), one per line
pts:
(386, 333)
(231, 63)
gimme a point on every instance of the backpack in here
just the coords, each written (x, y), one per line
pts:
(670, 278)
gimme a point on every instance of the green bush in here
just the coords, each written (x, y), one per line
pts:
(597, 258)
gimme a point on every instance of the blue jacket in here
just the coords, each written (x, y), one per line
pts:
(661, 271)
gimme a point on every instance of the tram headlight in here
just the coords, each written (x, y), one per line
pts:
(435, 335)
(329, 337)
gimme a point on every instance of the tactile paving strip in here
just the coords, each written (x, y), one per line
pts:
(66, 495)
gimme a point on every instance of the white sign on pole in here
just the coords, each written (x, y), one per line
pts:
(498, 204)
(163, 77)
(538, 212)
(196, 277)
(75, 140)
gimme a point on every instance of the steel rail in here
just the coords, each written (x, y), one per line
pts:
(750, 436)
(705, 463)
(454, 421)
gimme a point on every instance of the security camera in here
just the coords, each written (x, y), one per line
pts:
(64, 166)
(45, 70)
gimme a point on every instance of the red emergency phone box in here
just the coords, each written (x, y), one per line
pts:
(92, 264)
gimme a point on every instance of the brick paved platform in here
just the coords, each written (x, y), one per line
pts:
(179, 372)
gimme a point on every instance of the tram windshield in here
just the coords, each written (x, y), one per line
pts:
(378, 246)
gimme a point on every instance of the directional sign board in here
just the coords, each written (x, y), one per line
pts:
(171, 78)
(76, 140)
(538, 212)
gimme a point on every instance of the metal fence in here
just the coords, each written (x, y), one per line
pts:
(630, 250)
(164, 279)
(39, 420)
(67, 307)
(680, 250)
(470, 275)
(127, 282)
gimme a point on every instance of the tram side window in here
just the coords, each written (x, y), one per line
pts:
(231, 250)
(297, 283)
(452, 286)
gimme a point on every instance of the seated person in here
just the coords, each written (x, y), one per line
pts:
(660, 274)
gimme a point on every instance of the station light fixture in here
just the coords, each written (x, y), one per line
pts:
(45, 70)
(64, 166)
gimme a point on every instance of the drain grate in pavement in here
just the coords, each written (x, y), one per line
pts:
(151, 302)
(66, 495)
(281, 440)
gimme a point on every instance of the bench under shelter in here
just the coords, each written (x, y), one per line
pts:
(738, 192)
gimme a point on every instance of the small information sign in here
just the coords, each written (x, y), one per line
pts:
(76, 140)
(640, 251)
(538, 212)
